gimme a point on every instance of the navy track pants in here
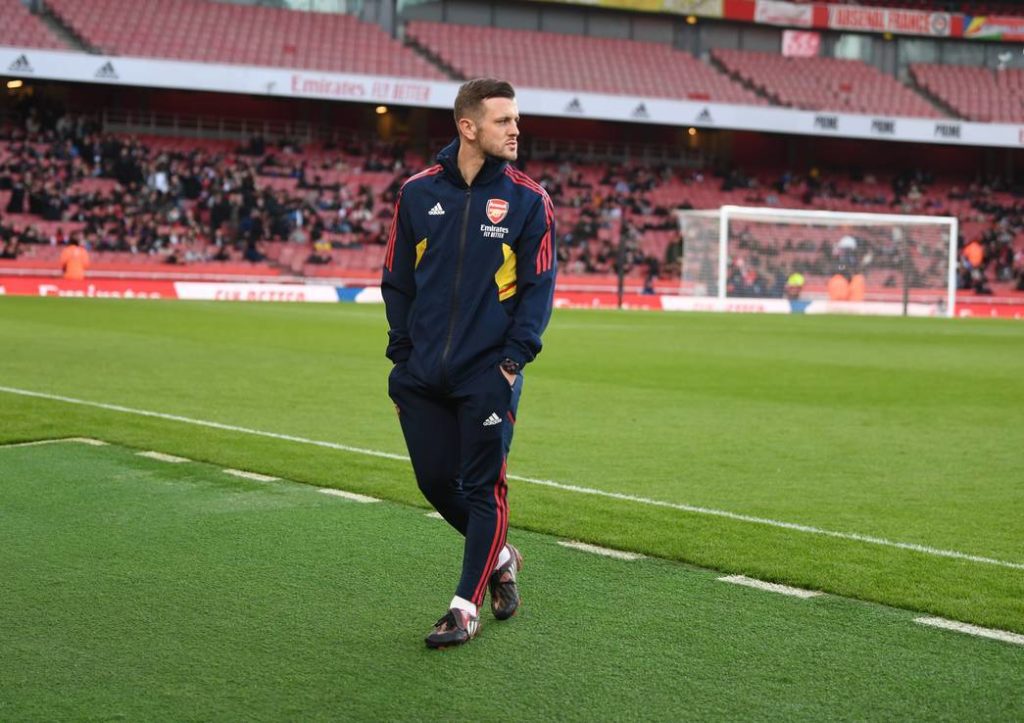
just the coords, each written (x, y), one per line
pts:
(458, 443)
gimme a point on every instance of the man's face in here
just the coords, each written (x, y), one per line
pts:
(497, 128)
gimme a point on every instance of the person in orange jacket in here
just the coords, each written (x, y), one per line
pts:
(974, 252)
(74, 260)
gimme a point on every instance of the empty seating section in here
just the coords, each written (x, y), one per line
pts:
(575, 62)
(826, 84)
(230, 33)
(220, 32)
(20, 28)
(979, 94)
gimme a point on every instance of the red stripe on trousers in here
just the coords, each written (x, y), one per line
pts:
(495, 551)
(497, 541)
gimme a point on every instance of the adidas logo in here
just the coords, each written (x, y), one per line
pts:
(436, 210)
(107, 71)
(574, 106)
(492, 420)
(641, 111)
(705, 117)
(21, 65)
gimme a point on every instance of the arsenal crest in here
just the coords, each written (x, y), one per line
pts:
(497, 209)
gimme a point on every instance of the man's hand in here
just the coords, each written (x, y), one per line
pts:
(510, 378)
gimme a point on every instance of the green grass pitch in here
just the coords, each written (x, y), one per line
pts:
(900, 430)
(143, 590)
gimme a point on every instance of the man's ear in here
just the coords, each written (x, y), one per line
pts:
(467, 128)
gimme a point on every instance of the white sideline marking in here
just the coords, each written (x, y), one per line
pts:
(770, 586)
(795, 527)
(161, 457)
(38, 443)
(607, 552)
(348, 495)
(992, 633)
(255, 476)
(434, 515)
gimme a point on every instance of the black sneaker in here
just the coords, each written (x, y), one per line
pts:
(504, 592)
(454, 628)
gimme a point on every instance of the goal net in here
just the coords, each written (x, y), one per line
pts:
(818, 261)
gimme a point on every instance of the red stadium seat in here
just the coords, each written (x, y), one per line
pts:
(979, 94)
(552, 60)
(251, 35)
(20, 28)
(826, 84)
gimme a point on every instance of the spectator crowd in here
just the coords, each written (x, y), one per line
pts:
(182, 203)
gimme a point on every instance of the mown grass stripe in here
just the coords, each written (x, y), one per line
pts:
(795, 527)
(770, 586)
(276, 585)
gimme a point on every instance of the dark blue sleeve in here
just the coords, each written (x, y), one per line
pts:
(398, 284)
(535, 283)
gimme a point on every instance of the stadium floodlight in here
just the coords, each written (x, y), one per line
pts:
(819, 261)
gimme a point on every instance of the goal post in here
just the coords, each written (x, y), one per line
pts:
(820, 261)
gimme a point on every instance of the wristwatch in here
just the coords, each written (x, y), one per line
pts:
(510, 365)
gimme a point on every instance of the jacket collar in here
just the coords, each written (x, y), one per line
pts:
(448, 157)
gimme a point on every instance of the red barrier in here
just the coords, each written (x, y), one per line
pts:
(95, 288)
(989, 310)
(605, 300)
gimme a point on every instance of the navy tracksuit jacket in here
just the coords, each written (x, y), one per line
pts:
(469, 275)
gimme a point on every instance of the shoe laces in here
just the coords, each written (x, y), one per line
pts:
(448, 619)
(505, 575)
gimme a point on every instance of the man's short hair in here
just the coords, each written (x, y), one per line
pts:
(474, 92)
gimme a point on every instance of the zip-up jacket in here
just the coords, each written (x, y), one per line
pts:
(469, 271)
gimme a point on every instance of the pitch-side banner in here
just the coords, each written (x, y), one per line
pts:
(769, 119)
(234, 291)
(80, 67)
(800, 43)
(704, 8)
(994, 27)
(145, 289)
(153, 73)
(881, 20)
(94, 289)
(774, 12)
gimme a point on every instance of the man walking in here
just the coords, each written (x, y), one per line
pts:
(469, 274)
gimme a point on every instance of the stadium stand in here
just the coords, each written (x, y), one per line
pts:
(184, 207)
(979, 94)
(552, 60)
(211, 207)
(825, 84)
(231, 33)
(21, 28)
